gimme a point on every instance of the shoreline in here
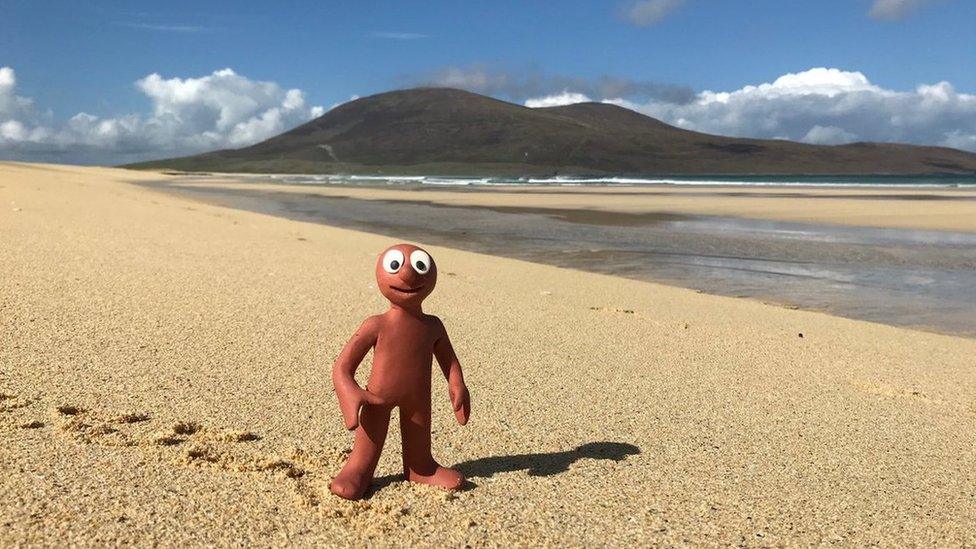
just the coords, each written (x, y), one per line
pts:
(841, 270)
(963, 179)
(945, 209)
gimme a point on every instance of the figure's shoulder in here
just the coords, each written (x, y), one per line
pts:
(435, 323)
(434, 319)
(371, 325)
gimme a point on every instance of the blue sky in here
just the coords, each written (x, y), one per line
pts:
(74, 57)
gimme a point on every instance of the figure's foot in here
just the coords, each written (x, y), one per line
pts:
(349, 485)
(442, 477)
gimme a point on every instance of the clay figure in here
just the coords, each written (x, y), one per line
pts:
(404, 339)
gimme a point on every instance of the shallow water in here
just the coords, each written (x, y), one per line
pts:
(922, 279)
(866, 181)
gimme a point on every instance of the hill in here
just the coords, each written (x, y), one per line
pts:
(454, 132)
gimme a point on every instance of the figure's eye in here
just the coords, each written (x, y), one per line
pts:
(421, 261)
(392, 261)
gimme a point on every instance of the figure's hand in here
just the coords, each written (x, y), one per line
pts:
(460, 401)
(352, 400)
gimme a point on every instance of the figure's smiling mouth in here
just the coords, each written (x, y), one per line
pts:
(408, 290)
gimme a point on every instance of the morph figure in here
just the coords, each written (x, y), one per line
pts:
(404, 340)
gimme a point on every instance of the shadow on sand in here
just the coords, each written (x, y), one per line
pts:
(537, 465)
(546, 464)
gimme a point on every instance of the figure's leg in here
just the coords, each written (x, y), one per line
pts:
(357, 473)
(418, 463)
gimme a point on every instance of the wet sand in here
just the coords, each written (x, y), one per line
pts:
(883, 207)
(163, 371)
(911, 277)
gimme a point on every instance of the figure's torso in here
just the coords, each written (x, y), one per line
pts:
(402, 356)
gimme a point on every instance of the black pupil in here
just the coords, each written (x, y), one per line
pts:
(421, 266)
(394, 264)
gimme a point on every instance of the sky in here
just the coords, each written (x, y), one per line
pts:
(114, 82)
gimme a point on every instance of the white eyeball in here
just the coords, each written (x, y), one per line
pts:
(420, 261)
(392, 261)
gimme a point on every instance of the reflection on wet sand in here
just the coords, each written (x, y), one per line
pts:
(918, 278)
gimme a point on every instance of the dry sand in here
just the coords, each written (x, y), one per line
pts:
(924, 209)
(164, 371)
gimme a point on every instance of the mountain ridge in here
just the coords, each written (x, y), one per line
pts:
(444, 131)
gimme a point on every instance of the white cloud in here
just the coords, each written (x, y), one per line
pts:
(189, 115)
(557, 100)
(474, 78)
(336, 104)
(647, 12)
(528, 83)
(891, 10)
(822, 105)
(961, 140)
(828, 135)
(819, 81)
(12, 107)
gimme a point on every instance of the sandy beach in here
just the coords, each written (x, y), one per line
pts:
(164, 379)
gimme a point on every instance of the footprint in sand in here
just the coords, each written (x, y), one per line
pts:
(11, 402)
(231, 451)
(13, 408)
(191, 443)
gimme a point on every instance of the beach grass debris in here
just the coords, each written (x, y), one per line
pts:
(238, 435)
(132, 417)
(165, 438)
(69, 410)
(198, 453)
(186, 427)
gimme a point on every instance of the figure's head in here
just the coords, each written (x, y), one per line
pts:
(405, 275)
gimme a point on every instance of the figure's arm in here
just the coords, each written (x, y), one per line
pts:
(451, 366)
(351, 396)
